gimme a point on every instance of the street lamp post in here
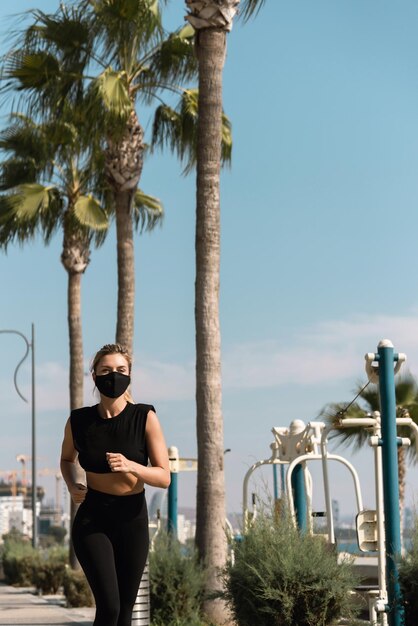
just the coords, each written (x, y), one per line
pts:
(29, 346)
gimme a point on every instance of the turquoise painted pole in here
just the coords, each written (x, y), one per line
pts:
(390, 480)
(275, 482)
(299, 496)
(282, 481)
(172, 505)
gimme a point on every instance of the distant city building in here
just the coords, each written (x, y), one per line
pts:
(14, 515)
(159, 502)
(186, 528)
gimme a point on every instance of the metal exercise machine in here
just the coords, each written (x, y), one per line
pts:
(378, 530)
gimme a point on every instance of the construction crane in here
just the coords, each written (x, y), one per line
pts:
(48, 471)
(11, 476)
(23, 458)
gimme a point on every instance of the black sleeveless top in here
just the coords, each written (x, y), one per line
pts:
(93, 436)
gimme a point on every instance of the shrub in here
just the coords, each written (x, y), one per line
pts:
(20, 560)
(48, 576)
(176, 584)
(408, 578)
(283, 578)
(24, 566)
(76, 589)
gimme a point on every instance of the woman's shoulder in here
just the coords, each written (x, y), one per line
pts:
(143, 408)
(83, 412)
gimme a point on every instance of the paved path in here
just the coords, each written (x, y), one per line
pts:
(21, 606)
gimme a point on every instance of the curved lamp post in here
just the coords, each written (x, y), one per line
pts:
(29, 346)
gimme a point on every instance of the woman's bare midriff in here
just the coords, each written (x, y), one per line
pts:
(115, 483)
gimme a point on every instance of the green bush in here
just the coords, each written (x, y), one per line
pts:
(176, 584)
(408, 578)
(283, 578)
(20, 560)
(24, 566)
(76, 589)
(48, 576)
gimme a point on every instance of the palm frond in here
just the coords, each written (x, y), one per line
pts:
(125, 27)
(177, 129)
(67, 31)
(11, 229)
(15, 172)
(334, 413)
(22, 217)
(406, 389)
(148, 211)
(406, 392)
(112, 87)
(23, 139)
(251, 7)
(30, 199)
(173, 61)
(50, 58)
(370, 396)
(89, 212)
(32, 71)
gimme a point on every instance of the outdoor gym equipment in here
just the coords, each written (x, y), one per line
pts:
(177, 465)
(377, 530)
(294, 447)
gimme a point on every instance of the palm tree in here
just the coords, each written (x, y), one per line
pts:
(118, 51)
(406, 393)
(212, 20)
(46, 178)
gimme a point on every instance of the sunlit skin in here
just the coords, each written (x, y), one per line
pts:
(125, 477)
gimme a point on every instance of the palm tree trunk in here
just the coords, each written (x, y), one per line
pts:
(76, 340)
(75, 258)
(126, 270)
(76, 369)
(123, 162)
(210, 506)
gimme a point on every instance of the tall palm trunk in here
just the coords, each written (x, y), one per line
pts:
(124, 161)
(76, 340)
(210, 506)
(126, 269)
(75, 258)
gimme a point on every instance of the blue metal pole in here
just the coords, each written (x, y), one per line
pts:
(299, 496)
(172, 505)
(282, 481)
(390, 480)
(34, 481)
(275, 482)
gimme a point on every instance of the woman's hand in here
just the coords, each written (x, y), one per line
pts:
(118, 462)
(78, 493)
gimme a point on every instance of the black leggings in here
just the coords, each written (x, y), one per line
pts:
(110, 538)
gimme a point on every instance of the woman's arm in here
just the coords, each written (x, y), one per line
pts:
(159, 474)
(69, 468)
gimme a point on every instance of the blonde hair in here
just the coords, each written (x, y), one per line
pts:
(113, 348)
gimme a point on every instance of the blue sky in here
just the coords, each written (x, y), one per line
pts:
(319, 223)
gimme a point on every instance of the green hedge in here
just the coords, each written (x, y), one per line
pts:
(176, 584)
(23, 566)
(283, 578)
(76, 589)
(19, 560)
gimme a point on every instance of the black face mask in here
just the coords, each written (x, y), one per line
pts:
(113, 384)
